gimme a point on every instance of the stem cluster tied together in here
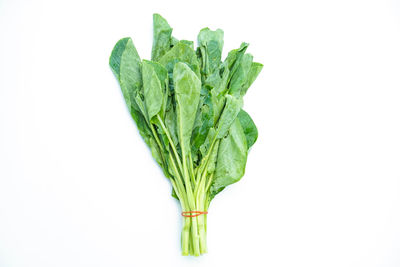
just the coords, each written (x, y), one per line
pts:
(187, 105)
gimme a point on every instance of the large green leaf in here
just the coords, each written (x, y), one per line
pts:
(210, 47)
(234, 58)
(181, 52)
(217, 93)
(162, 75)
(228, 116)
(240, 76)
(162, 39)
(251, 76)
(231, 159)
(170, 122)
(152, 89)
(204, 121)
(187, 94)
(126, 65)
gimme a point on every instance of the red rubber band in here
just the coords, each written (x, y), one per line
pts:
(193, 213)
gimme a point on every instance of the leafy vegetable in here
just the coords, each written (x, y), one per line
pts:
(187, 105)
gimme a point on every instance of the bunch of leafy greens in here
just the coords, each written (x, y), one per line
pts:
(187, 105)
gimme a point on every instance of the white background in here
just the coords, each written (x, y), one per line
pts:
(78, 187)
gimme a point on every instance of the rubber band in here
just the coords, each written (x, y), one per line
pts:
(193, 213)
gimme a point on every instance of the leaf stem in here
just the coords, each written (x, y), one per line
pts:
(171, 142)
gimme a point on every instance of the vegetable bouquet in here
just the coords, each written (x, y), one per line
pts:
(187, 105)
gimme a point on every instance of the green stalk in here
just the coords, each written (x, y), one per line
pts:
(194, 236)
(180, 190)
(190, 224)
(179, 183)
(201, 196)
(192, 205)
(201, 218)
(191, 170)
(209, 185)
(160, 147)
(185, 237)
(171, 142)
(187, 247)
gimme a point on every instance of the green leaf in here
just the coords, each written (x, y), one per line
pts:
(231, 159)
(153, 92)
(174, 41)
(126, 65)
(181, 52)
(207, 142)
(249, 128)
(142, 126)
(116, 56)
(155, 152)
(213, 158)
(160, 71)
(210, 47)
(217, 85)
(228, 116)
(140, 105)
(205, 150)
(213, 80)
(251, 76)
(187, 94)
(240, 77)
(188, 43)
(204, 121)
(170, 123)
(234, 58)
(218, 105)
(162, 39)
(162, 75)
